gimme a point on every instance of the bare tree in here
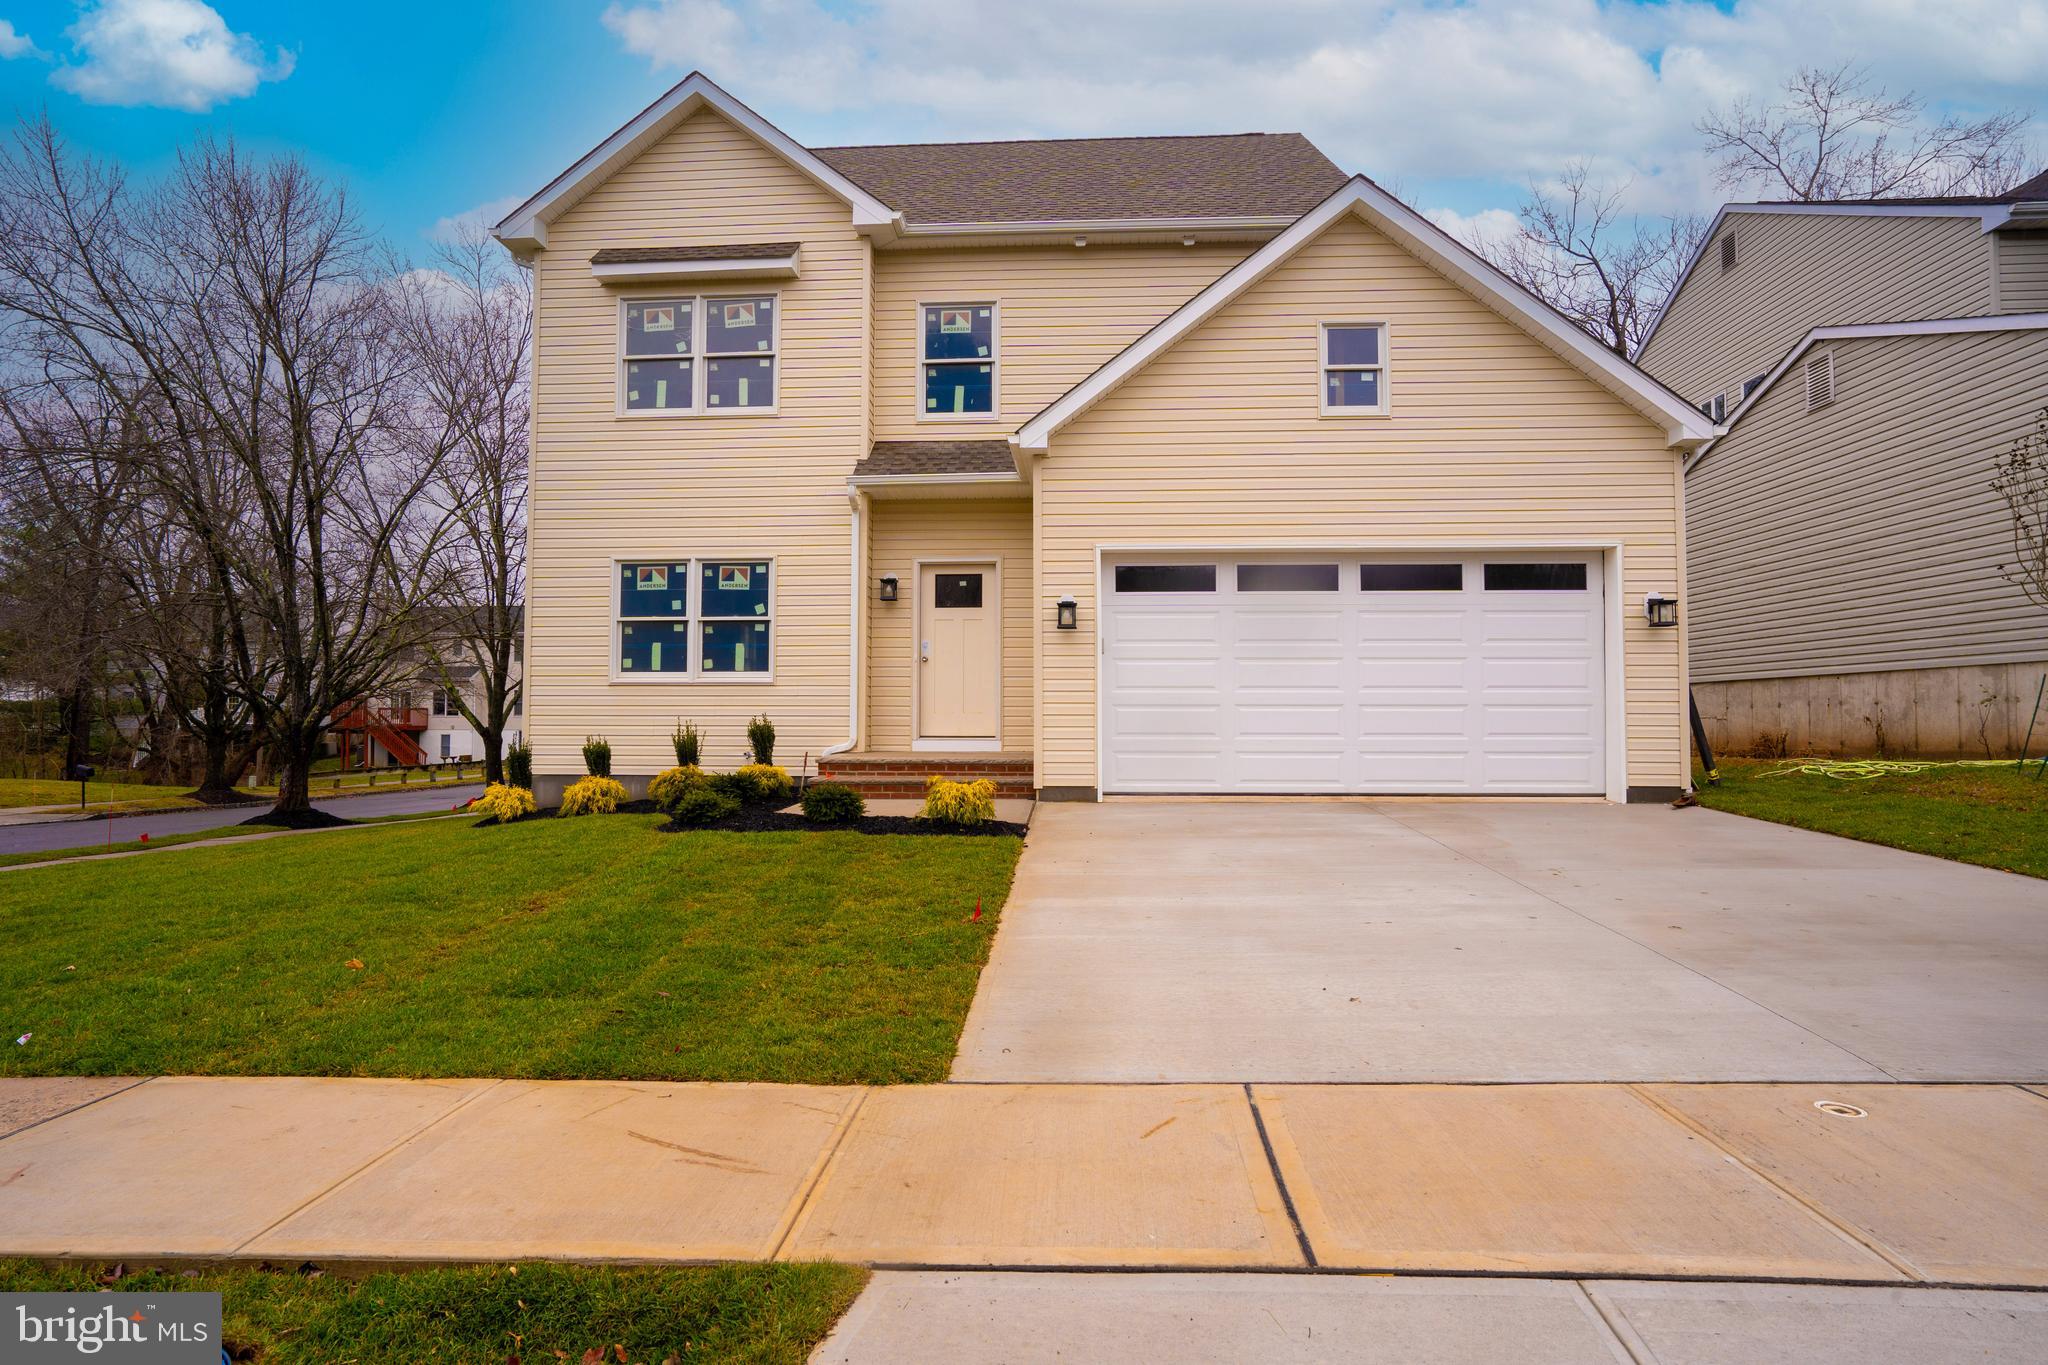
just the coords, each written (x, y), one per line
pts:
(469, 326)
(241, 303)
(1578, 250)
(2021, 479)
(1834, 135)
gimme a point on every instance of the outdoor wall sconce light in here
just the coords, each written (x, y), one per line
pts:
(888, 588)
(1069, 614)
(1660, 610)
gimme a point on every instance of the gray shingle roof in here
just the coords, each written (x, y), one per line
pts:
(738, 251)
(1236, 175)
(899, 458)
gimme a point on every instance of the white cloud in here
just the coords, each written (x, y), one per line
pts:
(13, 44)
(1486, 228)
(1413, 90)
(178, 54)
(487, 214)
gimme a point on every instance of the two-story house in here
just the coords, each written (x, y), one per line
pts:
(1181, 464)
(1872, 360)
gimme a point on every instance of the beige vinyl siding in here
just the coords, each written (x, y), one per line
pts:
(607, 487)
(1492, 440)
(1865, 535)
(908, 531)
(1798, 271)
(1063, 312)
(2023, 272)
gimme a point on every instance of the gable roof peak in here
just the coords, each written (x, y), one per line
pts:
(1684, 426)
(525, 228)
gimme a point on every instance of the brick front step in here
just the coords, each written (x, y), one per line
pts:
(899, 775)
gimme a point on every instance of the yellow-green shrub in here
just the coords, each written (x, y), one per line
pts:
(673, 784)
(958, 803)
(504, 802)
(593, 796)
(766, 782)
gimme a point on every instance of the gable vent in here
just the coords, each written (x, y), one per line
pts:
(1820, 380)
(1728, 252)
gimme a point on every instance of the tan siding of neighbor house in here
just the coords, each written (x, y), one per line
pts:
(606, 487)
(1798, 271)
(2023, 272)
(906, 532)
(1063, 312)
(1864, 536)
(1492, 439)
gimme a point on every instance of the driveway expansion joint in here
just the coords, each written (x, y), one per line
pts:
(1308, 1251)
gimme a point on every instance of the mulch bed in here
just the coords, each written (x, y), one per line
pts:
(298, 819)
(764, 819)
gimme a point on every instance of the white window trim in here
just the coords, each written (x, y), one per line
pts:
(995, 361)
(693, 604)
(700, 371)
(1324, 368)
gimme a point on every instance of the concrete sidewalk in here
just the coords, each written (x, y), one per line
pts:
(1013, 1317)
(1861, 1184)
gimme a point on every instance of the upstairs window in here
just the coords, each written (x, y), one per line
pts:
(696, 353)
(1716, 408)
(1355, 368)
(957, 360)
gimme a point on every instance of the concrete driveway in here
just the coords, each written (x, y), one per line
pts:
(1499, 941)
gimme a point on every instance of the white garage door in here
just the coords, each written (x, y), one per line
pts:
(1349, 673)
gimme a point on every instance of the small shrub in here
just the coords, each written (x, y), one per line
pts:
(958, 803)
(597, 756)
(731, 784)
(673, 785)
(593, 795)
(761, 741)
(833, 803)
(765, 782)
(705, 806)
(504, 802)
(519, 766)
(689, 745)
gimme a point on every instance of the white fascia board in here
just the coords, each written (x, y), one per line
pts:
(759, 267)
(1990, 218)
(525, 229)
(1855, 331)
(1684, 426)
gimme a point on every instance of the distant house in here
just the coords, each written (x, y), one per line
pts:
(1871, 361)
(418, 720)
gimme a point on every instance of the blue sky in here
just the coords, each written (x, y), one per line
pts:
(429, 110)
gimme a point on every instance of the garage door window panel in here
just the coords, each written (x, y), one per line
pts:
(1536, 577)
(1411, 577)
(1165, 578)
(1287, 578)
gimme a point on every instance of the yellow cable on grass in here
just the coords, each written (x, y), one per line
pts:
(1864, 769)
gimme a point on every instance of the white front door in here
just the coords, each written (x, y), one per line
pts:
(957, 669)
(1305, 672)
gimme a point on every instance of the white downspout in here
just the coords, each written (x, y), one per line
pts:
(858, 599)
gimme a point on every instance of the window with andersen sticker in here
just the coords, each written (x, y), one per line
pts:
(697, 354)
(695, 618)
(957, 355)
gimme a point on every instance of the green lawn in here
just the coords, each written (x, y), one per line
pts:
(595, 947)
(534, 1312)
(35, 791)
(1994, 816)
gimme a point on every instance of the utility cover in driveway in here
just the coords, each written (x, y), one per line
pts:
(1309, 672)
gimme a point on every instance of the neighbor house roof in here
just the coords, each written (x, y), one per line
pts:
(1683, 424)
(1993, 211)
(1094, 180)
(922, 459)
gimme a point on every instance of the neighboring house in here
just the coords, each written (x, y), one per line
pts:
(1111, 465)
(418, 721)
(1872, 360)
